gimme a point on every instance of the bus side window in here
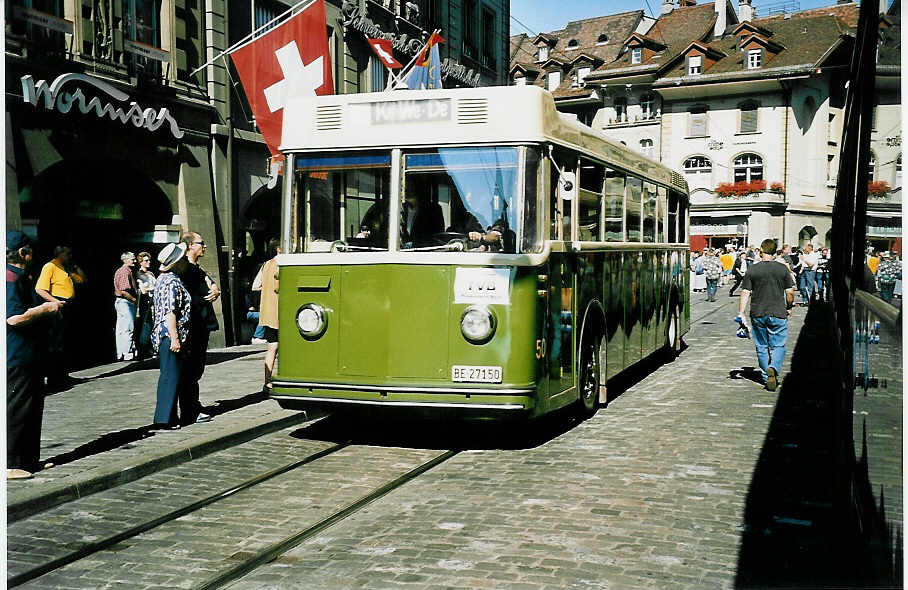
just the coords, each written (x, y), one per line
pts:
(633, 209)
(672, 216)
(661, 220)
(614, 206)
(649, 212)
(589, 201)
(682, 219)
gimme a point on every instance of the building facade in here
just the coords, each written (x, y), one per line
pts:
(132, 127)
(749, 109)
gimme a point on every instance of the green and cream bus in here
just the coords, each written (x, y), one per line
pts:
(471, 250)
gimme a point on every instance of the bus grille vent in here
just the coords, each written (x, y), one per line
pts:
(328, 117)
(471, 111)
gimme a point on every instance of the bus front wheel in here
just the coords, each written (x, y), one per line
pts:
(589, 377)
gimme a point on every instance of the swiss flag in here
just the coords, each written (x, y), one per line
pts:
(291, 59)
(385, 52)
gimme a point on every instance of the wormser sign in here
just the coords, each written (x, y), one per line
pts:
(54, 96)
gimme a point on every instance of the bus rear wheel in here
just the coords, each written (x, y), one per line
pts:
(589, 377)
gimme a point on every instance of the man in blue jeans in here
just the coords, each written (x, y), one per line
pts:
(769, 289)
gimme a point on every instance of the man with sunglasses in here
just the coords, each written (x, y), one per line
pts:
(203, 291)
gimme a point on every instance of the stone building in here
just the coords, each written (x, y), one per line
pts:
(748, 108)
(129, 131)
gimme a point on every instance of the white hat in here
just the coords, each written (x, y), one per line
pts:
(170, 255)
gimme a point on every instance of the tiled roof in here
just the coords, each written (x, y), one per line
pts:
(847, 13)
(586, 32)
(676, 30)
(890, 49)
(804, 41)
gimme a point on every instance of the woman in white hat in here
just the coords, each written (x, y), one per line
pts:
(169, 334)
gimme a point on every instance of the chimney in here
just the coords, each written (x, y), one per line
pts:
(745, 11)
(667, 6)
(721, 18)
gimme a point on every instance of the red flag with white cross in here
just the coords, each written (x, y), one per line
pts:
(383, 49)
(291, 59)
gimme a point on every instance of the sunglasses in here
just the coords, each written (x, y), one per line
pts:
(202, 243)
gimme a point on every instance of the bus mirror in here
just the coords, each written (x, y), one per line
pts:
(566, 185)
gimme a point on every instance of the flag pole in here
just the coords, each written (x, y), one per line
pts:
(412, 61)
(251, 36)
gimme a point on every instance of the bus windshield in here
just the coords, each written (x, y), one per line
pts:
(460, 199)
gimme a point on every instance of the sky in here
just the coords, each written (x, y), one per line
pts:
(541, 16)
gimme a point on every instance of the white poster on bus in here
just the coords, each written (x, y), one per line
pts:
(482, 285)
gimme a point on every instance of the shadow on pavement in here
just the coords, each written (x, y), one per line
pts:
(123, 438)
(213, 358)
(381, 429)
(749, 373)
(800, 520)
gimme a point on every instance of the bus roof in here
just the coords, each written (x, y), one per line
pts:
(463, 116)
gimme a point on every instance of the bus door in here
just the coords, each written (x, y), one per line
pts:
(562, 273)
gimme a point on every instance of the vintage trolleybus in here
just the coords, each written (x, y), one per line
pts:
(470, 249)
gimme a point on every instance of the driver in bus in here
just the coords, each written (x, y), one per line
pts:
(489, 239)
(420, 219)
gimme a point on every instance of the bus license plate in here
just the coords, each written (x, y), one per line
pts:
(474, 374)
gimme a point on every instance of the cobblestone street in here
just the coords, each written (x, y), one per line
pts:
(660, 489)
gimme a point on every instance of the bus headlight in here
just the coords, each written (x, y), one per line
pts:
(311, 321)
(477, 324)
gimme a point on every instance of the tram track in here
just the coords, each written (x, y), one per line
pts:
(269, 553)
(110, 541)
(277, 549)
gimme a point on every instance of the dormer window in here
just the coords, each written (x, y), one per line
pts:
(754, 58)
(520, 81)
(602, 40)
(573, 44)
(582, 73)
(636, 55)
(543, 53)
(553, 80)
(695, 65)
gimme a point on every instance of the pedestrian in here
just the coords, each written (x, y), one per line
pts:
(873, 261)
(24, 375)
(169, 337)
(57, 282)
(253, 303)
(728, 260)
(126, 293)
(822, 274)
(808, 278)
(268, 317)
(889, 271)
(712, 268)
(698, 276)
(145, 308)
(770, 291)
(204, 291)
(738, 270)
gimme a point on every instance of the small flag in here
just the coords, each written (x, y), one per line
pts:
(384, 51)
(426, 72)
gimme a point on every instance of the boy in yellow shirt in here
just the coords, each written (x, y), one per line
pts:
(57, 283)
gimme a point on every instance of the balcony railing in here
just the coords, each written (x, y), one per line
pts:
(762, 197)
(625, 119)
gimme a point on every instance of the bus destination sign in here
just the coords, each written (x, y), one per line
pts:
(411, 111)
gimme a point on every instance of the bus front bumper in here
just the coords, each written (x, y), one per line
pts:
(297, 395)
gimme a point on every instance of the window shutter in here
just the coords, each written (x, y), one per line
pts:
(698, 124)
(748, 120)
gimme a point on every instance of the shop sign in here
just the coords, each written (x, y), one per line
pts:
(143, 50)
(355, 18)
(42, 19)
(55, 97)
